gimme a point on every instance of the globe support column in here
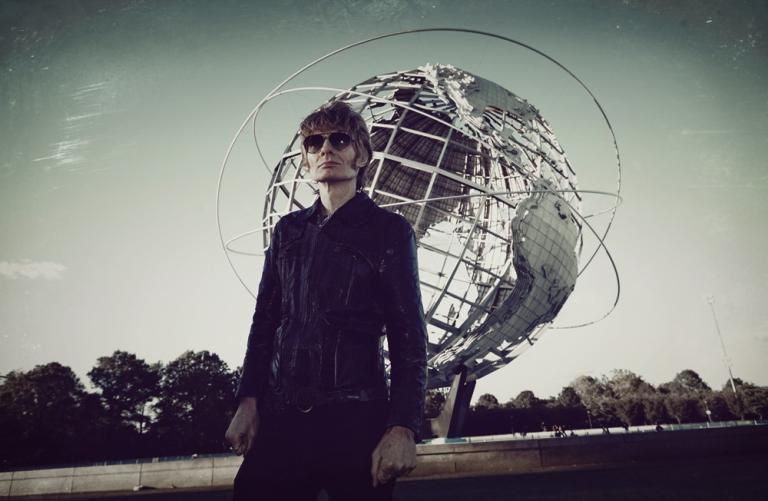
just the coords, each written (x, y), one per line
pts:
(450, 422)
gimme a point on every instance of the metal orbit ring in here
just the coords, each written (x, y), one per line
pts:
(276, 91)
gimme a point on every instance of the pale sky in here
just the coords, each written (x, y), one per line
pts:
(114, 122)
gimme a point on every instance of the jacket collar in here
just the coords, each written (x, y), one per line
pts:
(353, 213)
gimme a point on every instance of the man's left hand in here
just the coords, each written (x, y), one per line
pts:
(394, 456)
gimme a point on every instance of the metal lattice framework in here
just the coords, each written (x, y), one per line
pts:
(479, 174)
(494, 201)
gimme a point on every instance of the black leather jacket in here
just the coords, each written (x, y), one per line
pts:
(328, 294)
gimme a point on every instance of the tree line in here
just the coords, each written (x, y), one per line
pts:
(47, 416)
(138, 410)
(621, 399)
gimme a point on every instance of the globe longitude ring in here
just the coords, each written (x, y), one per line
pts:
(491, 195)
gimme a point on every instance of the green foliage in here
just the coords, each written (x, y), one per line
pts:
(487, 401)
(718, 404)
(526, 400)
(629, 393)
(655, 410)
(750, 401)
(569, 398)
(197, 395)
(434, 403)
(685, 397)
(127, 385)
(689, 381)
(598, 399)
(684, 408)
(623, 383)
(487, 421)
(45, 416)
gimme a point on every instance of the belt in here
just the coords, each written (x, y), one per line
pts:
(306, 398)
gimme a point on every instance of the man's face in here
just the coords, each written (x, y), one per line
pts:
(331, 163)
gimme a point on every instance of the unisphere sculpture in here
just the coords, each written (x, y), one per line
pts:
(491, 195)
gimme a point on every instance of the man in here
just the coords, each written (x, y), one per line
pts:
(314, 408)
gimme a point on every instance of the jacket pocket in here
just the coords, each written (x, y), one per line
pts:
(356, 363)
(355, 272)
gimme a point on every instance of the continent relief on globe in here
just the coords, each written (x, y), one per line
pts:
(544, 240)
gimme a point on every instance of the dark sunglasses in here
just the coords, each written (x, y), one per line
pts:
(339, 141)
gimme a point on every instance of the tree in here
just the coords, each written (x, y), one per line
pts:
(655, 410)
(757, 402)
(749, 402)
(526, 400)
(46, 416)
(623, 383)
(630, 392)
(487, 401)
(127, 384)
(690, 381)
(589, 390)
(526, 412)
(568, 410)
(434, 403)
(630, 410)
(598, 399)
(568, 398)
(718, 405)
(685, 397)
(684, 408)
(197, 393)
(683, 405)
(487, 417)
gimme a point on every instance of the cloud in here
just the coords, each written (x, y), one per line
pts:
(32, 270)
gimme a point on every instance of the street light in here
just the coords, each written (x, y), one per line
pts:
(726, 360)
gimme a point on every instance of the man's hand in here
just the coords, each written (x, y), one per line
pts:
(394, 456)
(244, 426)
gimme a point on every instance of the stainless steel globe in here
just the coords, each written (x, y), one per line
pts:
(494, 202)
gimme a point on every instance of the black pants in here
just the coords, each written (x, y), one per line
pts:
(295, 455)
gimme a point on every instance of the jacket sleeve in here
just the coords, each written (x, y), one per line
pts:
(266, 319)
(406, 330)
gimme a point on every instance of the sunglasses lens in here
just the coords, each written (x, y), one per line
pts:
(340, 140)
(313, 143)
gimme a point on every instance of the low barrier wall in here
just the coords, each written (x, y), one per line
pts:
(453, 458)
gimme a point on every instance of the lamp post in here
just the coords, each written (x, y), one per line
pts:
(726, 360)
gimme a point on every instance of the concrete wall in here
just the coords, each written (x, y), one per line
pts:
(437, 460)
(587, 452)
(187, 473)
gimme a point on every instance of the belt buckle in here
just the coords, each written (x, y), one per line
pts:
(304, 400)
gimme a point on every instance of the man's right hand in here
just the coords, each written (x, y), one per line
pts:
(244, 426)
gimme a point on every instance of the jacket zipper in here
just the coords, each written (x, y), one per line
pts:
(309, 310)
(351, 280)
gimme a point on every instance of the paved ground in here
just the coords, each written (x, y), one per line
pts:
(743, 480)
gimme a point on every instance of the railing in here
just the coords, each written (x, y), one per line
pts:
(585, 432)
